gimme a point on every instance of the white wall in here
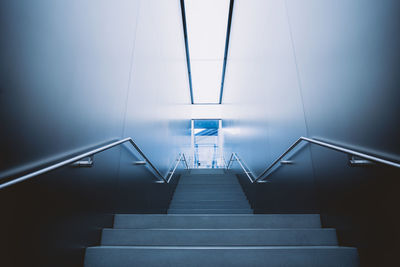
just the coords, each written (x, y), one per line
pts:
(158, 110)
(262, 100)
(75, 74)
(325, 69)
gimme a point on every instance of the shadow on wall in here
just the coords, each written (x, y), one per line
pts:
(286, 191)
(51, 219)
(361, 202)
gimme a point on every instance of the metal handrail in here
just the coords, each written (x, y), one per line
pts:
(234, 157)
(89, 154)
(181, 158)
(264, 174)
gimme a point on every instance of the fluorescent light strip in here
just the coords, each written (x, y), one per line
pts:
(206, 22)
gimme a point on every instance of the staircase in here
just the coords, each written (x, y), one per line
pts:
(210, 223)
(209, 192)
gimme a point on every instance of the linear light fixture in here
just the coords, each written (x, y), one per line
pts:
(206, 29)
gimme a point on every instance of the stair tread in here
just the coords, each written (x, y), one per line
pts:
(177, 256)
(212, 193)
(207, 176)
(210, 223)
(207, 171)
(218, 237)
(210, 198)
(196, 207)
(210, 211)
(229, 247)
(213, 201)
(217, 220)
(261, 216)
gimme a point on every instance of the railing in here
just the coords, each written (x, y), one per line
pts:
(234, 157)
(265, 173)
(180, 158)
(75, 161)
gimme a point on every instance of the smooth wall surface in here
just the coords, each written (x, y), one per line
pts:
(74, 75)
(348, 61)
(263, 105)
(328, 70)
(157, 104)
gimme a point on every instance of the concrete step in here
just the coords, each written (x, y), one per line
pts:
(210, 211)
(208, 181)
(216, 206)
(209, 204)
(208, 176)
(209, 191)
(207, 171)
(307, 256)
(208, 196)
(209, 188)
(183, 200)
(233, 193)
(251, 221)
(221, 237)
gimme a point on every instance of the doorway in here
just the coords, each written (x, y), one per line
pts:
(207, 144)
